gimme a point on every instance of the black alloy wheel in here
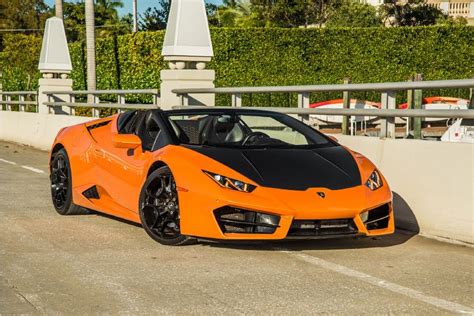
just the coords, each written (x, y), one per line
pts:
(61, 185)
(159, 208)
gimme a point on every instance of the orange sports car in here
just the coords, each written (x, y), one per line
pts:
(216, 173)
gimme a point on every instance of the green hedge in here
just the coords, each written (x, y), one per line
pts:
(266, 56)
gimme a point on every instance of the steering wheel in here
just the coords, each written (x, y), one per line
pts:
(253, 136)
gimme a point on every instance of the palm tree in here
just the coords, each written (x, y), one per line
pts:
(235, 12)
(135, 21)
(90, 47)
(108, 8)
(59, 9)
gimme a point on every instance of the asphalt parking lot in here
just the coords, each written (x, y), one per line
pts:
(94, 264)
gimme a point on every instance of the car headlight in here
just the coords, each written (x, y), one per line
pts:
(229, 183)
(375, 181)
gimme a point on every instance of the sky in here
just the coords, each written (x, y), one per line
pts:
(127, 5)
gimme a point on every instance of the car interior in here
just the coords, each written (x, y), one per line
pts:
(144, 124)
(212, 129)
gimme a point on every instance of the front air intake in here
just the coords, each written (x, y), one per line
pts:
(378, 218)
(235, 220)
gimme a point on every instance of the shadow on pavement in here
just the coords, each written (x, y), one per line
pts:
(404, 217)
(399, 237)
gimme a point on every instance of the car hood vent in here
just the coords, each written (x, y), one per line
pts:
(292, 169)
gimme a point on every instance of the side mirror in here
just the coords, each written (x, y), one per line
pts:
(129, 141)
(333, 138)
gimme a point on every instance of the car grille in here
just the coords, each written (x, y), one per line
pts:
(321, 228)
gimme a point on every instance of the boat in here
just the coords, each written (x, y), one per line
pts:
(440, 103)
(338, 104)
(461, 131)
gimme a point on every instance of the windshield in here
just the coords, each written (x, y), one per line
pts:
(234, 129)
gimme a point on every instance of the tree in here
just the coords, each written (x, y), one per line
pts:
(90, 47)
(155, 18)
(74, 20)
(237, 13)
(294, 13)
(106, 11)
(59, 8)
(107, 20)
(25, 14)
(410, 13)
(354, 14)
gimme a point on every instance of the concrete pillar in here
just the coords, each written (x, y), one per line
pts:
(186, 78)
(53, 84)
(55, 65)
(444, 6)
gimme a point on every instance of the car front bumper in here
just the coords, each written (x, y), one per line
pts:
(301, 214)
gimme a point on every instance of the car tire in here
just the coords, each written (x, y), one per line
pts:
(159, 209)
(61, 185)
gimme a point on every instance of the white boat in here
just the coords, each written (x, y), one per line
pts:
(440, 103)
(461, 131)
(338, 104)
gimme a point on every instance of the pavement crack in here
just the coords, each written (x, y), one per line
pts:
(21, 296)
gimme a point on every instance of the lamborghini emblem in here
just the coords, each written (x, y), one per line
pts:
(321, 195)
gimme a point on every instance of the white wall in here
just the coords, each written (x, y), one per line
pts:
(435, 179)
(33, 129)
(432, 180)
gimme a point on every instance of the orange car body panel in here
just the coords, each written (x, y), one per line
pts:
(119, 174)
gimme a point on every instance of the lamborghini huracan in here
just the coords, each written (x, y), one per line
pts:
(232, 174)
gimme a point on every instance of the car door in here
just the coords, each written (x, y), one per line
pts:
(121, 171)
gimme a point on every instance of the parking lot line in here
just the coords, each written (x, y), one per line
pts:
(32, 169)
(36, 170)
(8, 161)
(411, 293)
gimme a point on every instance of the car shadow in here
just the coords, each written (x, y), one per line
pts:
(118, 219)
(405, 222)
(399, 237)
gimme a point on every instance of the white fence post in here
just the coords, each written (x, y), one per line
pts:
(236, 99)
(121, 101)
(22, 106)
(156, 99)
(387, 125)
(9, 106)
(72, 109)
(303, 103)
(95, 111)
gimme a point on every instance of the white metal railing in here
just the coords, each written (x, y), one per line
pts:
(461, 9)
(60, 99)
(13, 98)
(65, 102)
(388, 100)
(468, 114)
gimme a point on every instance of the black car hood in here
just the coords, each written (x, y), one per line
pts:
(292, 169)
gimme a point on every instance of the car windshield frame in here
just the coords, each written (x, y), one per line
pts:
(318, 139)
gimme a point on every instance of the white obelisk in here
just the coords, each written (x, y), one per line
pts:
(187, 47)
